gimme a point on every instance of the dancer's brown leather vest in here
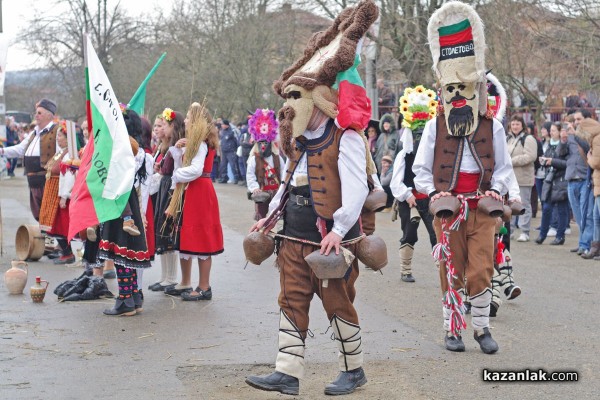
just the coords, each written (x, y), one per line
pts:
(449, 151)
(322, 165)
(35, 166)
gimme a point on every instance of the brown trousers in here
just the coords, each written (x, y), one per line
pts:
(367, 218)
(473, 252)
(299, 284)
(35, 201)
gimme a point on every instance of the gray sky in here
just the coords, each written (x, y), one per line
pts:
(17, 13)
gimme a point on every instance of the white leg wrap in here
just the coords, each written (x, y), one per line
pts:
(506, 272)
(172, 267)
(140, 277)
(163, 267)
(496, 283)
(347, 336)
(290, 358)
(480, 309)
(446, 312)
(406, 256)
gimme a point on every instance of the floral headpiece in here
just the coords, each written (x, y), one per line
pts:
(263, 125)
(418, 105)
(62, 124)
(123, 108)
(168, 115)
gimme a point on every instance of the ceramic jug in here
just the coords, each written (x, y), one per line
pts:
(15, 278)
(37, 291)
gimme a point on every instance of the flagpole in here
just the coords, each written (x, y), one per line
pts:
(88, 109)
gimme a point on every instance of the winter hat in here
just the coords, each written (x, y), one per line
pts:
(48, 105)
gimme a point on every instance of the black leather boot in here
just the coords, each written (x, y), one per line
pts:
(487, 344)
(275, 382)
(494, 309)
(454, 343)
(122, 307)
(346, 382)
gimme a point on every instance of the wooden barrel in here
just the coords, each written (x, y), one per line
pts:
(29, 243)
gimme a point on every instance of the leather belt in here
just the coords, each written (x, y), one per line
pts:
(39, 173)
(299, 200)
(205, 175)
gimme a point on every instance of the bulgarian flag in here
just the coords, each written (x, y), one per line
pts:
(354, 107)
(107, 169)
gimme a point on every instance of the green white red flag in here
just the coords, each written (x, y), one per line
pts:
(107, 169)
(354, 107)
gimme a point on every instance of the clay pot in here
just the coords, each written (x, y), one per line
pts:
(29, 243)
(15, 278)
(517, 208)
(376, 200)
(37, 291)
(490, 206)
(444, 207)
(372, 251)
(258, 247)
(331, 266)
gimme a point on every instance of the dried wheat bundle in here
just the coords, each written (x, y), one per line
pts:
(197, 131)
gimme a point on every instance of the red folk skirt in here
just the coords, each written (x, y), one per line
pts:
(201, 232)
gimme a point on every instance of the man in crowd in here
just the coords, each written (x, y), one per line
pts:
(39, 147)
(229, 145)
(581, 197)
(12, 139)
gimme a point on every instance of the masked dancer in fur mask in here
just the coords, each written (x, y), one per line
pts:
(418, 105)
(263, 175)
(321, 198)
(463, 153)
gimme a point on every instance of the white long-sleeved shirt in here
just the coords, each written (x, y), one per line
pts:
(66, 180)
(33, 150)
(423, 164)
(251, 180)
(194, 170)
(146, 185)
(400, 191)
(352, 165)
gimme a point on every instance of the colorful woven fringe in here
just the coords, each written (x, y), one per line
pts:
(443, 252)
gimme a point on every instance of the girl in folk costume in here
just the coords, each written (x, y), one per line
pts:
(169, 128)
(194, 203)
(263, 174)
(148, 191)
(128, 252)
(54, 211)
(418, 106)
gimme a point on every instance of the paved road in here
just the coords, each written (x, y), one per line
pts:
(204, 350)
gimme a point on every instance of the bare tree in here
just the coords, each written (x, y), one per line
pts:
(231, 51)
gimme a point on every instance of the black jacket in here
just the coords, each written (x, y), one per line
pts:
(228, 141)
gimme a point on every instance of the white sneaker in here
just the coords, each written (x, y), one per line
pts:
(523, 238)
(568, 231)
(552, 232)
